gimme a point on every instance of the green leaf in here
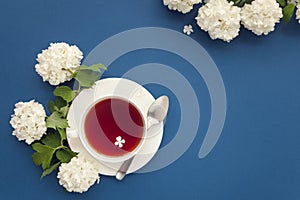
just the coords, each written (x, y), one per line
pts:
(84, 67)
(64, 111)
(97, 67)
(51, 106)
(88, 75)
(62, 133)
(288, 12)
(57, 105)
(94, 67)
(52, 140)
(65, 155)
(60, 102)
(87, 78)
(43, 155)
(241, 3)
(65, 92)
(50, 169)
(282, 3)
(56, 120)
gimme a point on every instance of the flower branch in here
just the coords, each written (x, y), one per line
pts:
(47, 134)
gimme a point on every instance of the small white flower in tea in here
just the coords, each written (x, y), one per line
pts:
(119, 141)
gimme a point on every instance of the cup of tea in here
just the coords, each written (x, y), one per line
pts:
(113, 129)
(111, 121)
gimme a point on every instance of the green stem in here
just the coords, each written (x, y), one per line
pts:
(72, 73)
(78, 90)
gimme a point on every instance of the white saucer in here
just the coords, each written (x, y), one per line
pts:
(107, 88)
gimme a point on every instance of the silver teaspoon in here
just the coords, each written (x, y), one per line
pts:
(157, 111)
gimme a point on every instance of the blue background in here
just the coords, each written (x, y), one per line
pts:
(258, 154)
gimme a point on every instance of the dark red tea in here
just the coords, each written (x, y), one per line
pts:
(114, 127)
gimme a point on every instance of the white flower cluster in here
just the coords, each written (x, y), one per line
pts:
(29, 121)
(183, 6)
(295, 2)
(220, 19)
(261, 15)
(298, 13)
(57, 63)
(79, 174)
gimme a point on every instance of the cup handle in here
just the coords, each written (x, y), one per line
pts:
(72, 133)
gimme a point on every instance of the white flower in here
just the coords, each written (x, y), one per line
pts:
(58, 62)
(183, 6)
(188, 29)
(119, 141)
(220, 19)
(298, 13)
(261, 15)
(79, 174)
(295, 2)
(28, 121)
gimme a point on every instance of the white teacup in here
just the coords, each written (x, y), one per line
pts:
(121, 114)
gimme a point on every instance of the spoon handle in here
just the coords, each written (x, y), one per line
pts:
(152, 131)
(123, 169)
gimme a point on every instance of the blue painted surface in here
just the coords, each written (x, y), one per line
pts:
(258, 154)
